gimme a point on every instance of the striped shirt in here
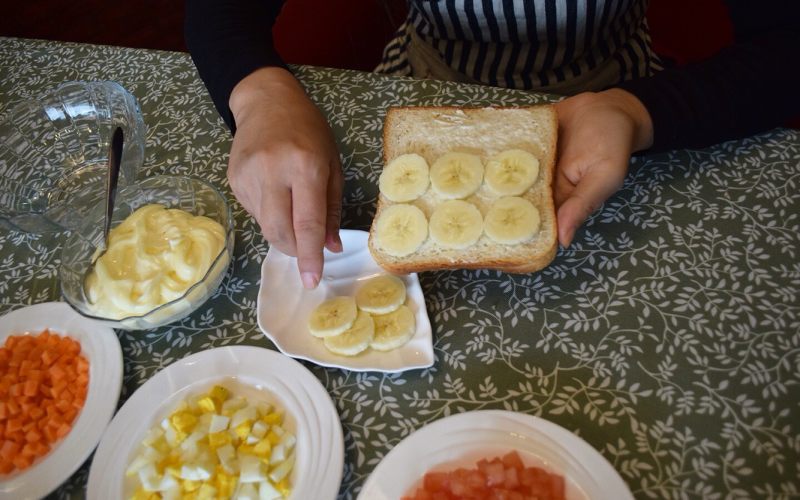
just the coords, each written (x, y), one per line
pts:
(556, 46)
(563, 46)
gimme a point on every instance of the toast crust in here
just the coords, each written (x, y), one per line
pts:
(431, 131)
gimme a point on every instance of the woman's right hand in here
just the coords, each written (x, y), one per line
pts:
(284, 168)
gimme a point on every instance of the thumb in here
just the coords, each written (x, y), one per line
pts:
(595, 187)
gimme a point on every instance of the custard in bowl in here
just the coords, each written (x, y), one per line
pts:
(169, 247)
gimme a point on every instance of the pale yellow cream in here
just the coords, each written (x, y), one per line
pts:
(153, 257)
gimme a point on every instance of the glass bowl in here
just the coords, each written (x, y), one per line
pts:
(192, 195)
(54, 153)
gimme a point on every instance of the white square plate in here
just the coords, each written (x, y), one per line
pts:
(284, 306)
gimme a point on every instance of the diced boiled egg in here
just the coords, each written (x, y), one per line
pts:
(247, 491)
(214, 445)
(218, 423)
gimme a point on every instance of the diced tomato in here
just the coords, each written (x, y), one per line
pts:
(512, 479)
(499, 478)
(495, 474)
(436, 481)
(512, 461)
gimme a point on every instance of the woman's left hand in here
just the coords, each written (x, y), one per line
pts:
(598, 132)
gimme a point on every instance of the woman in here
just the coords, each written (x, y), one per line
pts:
(284, 160)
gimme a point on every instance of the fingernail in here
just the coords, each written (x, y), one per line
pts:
(334, 244)
(310, 280)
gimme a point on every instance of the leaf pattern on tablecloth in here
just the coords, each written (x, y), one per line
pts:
(667, 335)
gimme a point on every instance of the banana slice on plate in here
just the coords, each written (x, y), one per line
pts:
(511, 220)
(456, 175)
(400, 229)
(511, 172)
(405, 178)
(333, 317)
(456, 224)
(381, 295)
(394, 329)
(355, 339)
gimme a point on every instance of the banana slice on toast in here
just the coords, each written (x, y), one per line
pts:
(511, 172)
(511, 220)
(405, 178)
(400, 229)
(456, 175)
(456, 224)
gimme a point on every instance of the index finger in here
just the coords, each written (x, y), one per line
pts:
(309, 214)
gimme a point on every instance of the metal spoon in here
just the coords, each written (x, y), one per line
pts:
(114, 159)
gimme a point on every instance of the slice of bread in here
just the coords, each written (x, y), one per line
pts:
(434, 131)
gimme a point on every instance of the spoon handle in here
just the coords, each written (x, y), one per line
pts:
(114, 159)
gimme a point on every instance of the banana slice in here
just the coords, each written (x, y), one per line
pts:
(511, 172)
(333, 317)
(394, 329)
(405, 178)
(354, 340)
(511, 220)
(381, 295)
(400, 229)
(456, 224)
(456, 175)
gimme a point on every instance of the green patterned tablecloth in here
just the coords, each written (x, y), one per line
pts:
(667, 336)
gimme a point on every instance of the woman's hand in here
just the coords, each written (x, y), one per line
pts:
(598, 132)
(284, 168)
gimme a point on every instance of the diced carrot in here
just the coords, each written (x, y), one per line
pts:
(70, 414)
(33, 435)
(63, 405)
(83, 365)
(57, 372)
(41, 448)
(22, 462)
(6, 467)
(16, 390)
(48, 357)
(29, 450)
(31, 387)
(52, 412)
(13, 407)
(36, 413)
(43, 386)
(50, 433)
(63, 430)
(9, 450)
(14, 424)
